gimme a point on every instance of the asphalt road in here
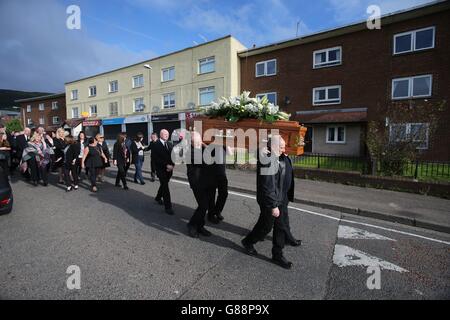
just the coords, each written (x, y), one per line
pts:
(127, 248)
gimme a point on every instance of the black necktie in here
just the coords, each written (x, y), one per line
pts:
(165, 145)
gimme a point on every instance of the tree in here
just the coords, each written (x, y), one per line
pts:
(14, 125)
(401, 136)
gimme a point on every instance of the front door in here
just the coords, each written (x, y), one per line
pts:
(308, 140)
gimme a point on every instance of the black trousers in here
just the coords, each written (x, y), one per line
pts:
(202, 196)
(68, 170)
(266, 223)
(216, 206)
(122, 174)
(163, 191)
(92, 174)
(37, 172)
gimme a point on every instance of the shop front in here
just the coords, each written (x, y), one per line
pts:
(111, 128)
(169, 122)
(136, 124)
(91, 127)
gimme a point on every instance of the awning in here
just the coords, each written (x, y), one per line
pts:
(72, 123)
(332, 116)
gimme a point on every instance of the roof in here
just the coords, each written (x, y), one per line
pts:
(39, 98)
(332, 116)
(398, 16)
(150, 60)
(72, 122)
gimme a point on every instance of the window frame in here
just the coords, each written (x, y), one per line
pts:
(336, 134)
(55, 122)
(28, 108)
(110, 87)
(78, 113)
(174, 99)
(265, 62)
(326, 101)
(411, 87)
(260, 95)
(29, 121)
(134, 104)
(109, 108)
(41, 106)
(89, 91)
(327, 63)
(43, 120)
(408, 133)
(72, 96)
(167, 69)
(200, 93)
(137, 76)
(92, 114)
(413, 40)
(200, 64)
(55, 105)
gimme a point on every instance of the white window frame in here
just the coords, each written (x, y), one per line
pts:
(413, 40)
(41, 120)
(336, 134)
(408, 133)
(29, 108)
(261, 95)
(93, 114)
(55, 120)
(411, 88)
(135, 105)
(117, 108)
(174, 99)
(54, 105)
(94, 89)
(205, 88)
(110, 88)
(265, 74)
(327, 63)
(167, 70)
(29, 121)
(73, 113)
(74, 96)
(41, 106)
(140, 85)
(326, 101)
(205, 61)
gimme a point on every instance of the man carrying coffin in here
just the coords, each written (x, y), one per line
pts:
(275, 188)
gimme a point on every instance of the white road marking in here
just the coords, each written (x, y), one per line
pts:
(338, 219)
(345, 256)
(346, 232)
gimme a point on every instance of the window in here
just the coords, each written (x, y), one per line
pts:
(336, 134)
(92, 91)
(93, 110)
(55, 120)
(206, 65)
(113, 109)
(139, 105)
(327, 57)
(412, 87)
(169, 100)
(327, 95)
(113, 86)
(41, 120)
(206, 95)
(29, 122)
(74, 95)
(138, 81)
(75, 113)
(28, 108)
(54, 105)
(416, 40)
(41, 107)
(168, 74)
(416, 133)
(271, 96)
(266, 68)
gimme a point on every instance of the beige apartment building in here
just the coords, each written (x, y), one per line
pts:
(154, 94)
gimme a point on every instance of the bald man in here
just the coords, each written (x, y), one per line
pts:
(161, 154)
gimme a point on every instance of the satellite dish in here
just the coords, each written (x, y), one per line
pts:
(191, 105)
(156, 109)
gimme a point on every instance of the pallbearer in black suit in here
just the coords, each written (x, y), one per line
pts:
(275, 188)
(216, 206)
(161, 154)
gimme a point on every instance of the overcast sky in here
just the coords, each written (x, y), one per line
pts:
(39, 53)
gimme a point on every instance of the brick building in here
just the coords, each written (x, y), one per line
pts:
(336, 81)
(46, 111)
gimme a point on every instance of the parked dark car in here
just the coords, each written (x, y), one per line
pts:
(6, 195)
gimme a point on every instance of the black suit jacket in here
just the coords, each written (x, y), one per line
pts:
(162, 155)
(21, 144)
(119, 156)
(71, 154)
(269, 187)
(135, 151)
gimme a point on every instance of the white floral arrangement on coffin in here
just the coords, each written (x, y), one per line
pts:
(234, 109)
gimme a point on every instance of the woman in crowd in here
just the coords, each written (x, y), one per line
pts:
(59, 146)
(92, 160)
(103, 147)
(121, 156)
(71, 152)
(82, 141)
(137, 156)
(37, 156)
(5, 153)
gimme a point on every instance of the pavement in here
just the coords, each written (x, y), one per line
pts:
(399, 207)
(126, 247)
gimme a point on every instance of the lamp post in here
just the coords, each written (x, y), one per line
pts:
(149, 68)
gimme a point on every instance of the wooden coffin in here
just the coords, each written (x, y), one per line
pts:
(291, 131)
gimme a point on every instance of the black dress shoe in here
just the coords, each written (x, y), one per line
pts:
(159, 201)
(294, 243)
(204, 232)
(213, 219)
(219, 216)
(249, 248)
(192, 231)
(118, 185)
(125, 188)
(135, 181)
(170, 211)
(281, 261)
(142, 183)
